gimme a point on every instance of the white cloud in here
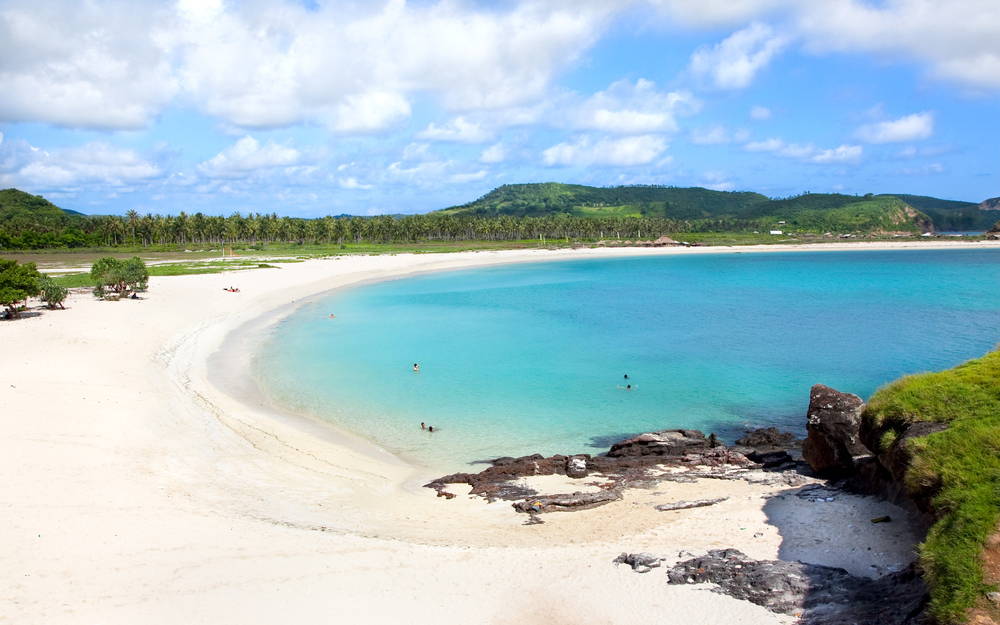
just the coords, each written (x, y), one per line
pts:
(468, 177)
(93, 163)
(807, 151)
(248, 155)
(352, 183)
(839, 154)
(959, 40)
(717, 181)
(629, 108)
(368, 111)
(716, 135)
(351, 66)
(624, 152)
(760, 113)
(84, 65)
(735, 61)
(908, 128)
(458, 129)
(716, 12)
(496, 153)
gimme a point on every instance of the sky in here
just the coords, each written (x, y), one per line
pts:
(316, 107)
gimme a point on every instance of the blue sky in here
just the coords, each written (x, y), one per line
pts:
(322, 107)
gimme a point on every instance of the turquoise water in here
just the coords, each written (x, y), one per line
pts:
(530, 358)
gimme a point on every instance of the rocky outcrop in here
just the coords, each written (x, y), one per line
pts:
(768, 439)
(627, 463)
(994, 232)
(819, 595)
(833, 422)
(662, 443)
(885, 473)
(992, 204)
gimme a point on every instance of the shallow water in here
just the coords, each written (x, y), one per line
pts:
(530, 358)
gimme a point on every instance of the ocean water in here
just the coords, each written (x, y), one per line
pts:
(528, 358)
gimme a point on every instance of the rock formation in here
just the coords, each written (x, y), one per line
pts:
(661, 443)
(819, 595)
(833, 422)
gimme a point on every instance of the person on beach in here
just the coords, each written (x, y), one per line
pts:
(416, 368)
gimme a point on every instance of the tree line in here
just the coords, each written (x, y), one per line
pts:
(255, 228)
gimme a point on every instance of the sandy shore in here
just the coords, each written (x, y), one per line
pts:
(136, 488)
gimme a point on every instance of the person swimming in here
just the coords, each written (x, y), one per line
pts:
(628, 387)
(430, 428)
(626, 376)
(423, 426)
(416, 367)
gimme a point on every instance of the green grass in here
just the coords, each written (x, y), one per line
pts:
(961, 465)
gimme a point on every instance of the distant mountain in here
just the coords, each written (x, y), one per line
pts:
(31, 221)
(992, 204)
(812, 211)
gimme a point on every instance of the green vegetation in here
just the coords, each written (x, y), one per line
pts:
(114, 278)
(949, 214)
(512, 213)
(17, 283)
(959, 466)
(703, 210)
(51, 293)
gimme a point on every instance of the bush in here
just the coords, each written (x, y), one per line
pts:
(51, 293)
(119, 278)
(17, 284)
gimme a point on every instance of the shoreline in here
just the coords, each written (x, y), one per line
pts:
(195, 506)
(251, 334)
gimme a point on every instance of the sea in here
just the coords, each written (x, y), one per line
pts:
(525, 358)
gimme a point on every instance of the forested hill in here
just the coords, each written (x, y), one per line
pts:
(41, 222)
(811, 210)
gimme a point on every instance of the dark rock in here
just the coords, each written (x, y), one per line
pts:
(770, 459)
(640, 562)
(834, 419)
(684, 505)
(821, 595)
(576, 466)
(768, 439)
(662, 443)
(566, 502)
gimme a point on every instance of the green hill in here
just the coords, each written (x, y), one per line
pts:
(705, 208)
(950, 214)
(31, 221)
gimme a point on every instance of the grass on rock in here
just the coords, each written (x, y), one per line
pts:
(961, 464)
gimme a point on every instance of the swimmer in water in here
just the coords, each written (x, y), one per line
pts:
(416, 367)
(423, 426)
(430, 428)
(628, 387)
(333, 316)
(626, 376)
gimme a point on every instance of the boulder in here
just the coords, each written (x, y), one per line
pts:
(768, 439)
(661, 443)
(566, 502)
(832, 442)
(576, 466)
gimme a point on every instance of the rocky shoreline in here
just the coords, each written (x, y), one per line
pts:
(834, 451)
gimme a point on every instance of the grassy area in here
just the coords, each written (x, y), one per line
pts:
(961, 465)
(73, 280)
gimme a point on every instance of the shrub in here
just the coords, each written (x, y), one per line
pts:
(119, 278)
(17, 284)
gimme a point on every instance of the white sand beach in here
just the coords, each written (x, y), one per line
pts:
(137, 488)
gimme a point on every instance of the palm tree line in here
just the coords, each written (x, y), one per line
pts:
(257, 228)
